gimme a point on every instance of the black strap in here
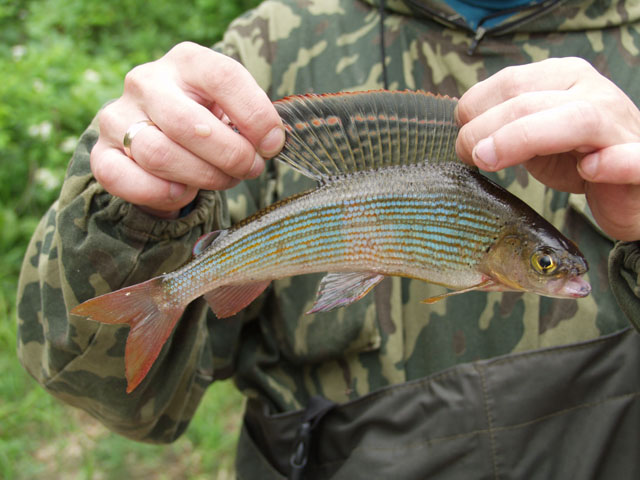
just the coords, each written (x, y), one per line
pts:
(317, 408)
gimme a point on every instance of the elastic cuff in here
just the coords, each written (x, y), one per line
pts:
(208, 211)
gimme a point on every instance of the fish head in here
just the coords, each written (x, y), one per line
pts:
(536, 257)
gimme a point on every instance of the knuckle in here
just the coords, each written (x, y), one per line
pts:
(103, 174)
(148, 197)
(110, 122)
(579, 64)
(227, 64)
(227, 183)
(236, 159)
(261, 114)
(463, 113)
(511, 81)
(108, 118)
(465, 142)
(137, 79)
(588, 115)
(225, 75)
(214, 68)
(527, 135)
(183, 50)
(214, 179)
(230, 77)
(519, 108)
(180, 129)
(157, 158)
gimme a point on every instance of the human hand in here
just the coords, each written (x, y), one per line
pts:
(192, 95)
(572, 128)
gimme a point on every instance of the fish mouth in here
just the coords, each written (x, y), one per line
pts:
(572, 287)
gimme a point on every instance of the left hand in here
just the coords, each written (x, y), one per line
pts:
(572, 128)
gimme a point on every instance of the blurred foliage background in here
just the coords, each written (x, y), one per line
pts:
(60, 60)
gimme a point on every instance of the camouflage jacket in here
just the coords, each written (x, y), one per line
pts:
(90, 242)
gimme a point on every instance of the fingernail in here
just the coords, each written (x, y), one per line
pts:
(588, 166)
(202, 130)
(257, 167)
(176, 190)
(484, 154)
(272, 142)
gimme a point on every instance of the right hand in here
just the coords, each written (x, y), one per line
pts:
(192, 94)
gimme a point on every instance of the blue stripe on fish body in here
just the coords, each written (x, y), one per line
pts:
(386, 220)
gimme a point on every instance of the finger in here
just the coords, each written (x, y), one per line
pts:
(506, 112)
(577, 126)
(122, 177)
(192, 126)
(617, 164)
(557, 172)
(221, 79)
(152, 150)
(616, 208)
(513, 81)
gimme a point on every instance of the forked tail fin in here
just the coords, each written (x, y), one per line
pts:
(151, 317)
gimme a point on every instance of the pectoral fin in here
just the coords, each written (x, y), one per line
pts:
(482, 285)
(206, 240)
(341, 289)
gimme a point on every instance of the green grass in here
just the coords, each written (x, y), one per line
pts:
(60, 61)
(42, 438)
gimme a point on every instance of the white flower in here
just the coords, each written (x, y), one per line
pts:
(42, 130)
(69, 144)
(47, 179)
(38, 85)
(18, 51)
(91, 76)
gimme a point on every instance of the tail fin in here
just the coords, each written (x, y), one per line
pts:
(145, 309)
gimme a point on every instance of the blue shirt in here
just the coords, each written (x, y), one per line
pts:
(475, 10)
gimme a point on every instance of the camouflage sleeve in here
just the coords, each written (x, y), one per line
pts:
(90, 243)
(624, 275)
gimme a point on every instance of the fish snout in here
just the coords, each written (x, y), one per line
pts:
(575, 287)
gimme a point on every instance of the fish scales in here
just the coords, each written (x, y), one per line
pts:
(392, 199)
(395, 221)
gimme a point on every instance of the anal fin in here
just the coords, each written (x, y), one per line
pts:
(341, 289)
(230, 299)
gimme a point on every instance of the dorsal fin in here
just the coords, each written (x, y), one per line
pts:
(334, 134)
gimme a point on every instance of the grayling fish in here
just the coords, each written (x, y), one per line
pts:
(392, 199)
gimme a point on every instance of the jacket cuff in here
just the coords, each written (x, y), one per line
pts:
(208, 209)
(624, 276)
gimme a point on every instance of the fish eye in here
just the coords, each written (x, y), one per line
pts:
(543, 262)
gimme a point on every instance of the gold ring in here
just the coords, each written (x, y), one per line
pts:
(131, 132)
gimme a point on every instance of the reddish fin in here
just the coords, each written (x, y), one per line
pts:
(229, 300)
(151, 318)
(480, 286)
